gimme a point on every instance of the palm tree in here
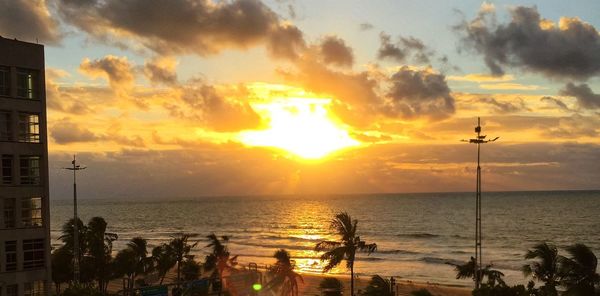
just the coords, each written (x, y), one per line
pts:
(580, 276)
(345, 248)
(180, 248)
(99, 244)
(133, 260)
(163, 260)
(62, 267)
(467, 270)
(219, 260)
(378, 286)
(283, 275)
(331, 286)
(545, 267)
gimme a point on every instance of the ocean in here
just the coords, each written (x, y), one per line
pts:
(416, 234)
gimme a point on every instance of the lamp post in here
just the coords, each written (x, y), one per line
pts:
(76, 255)
(480, 139)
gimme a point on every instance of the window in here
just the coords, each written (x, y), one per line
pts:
(30, 170)
(33, 253)
(10, 250)
(26, 83)
(29, 128)
(5, 126)
(31, 211)
(10, 205)
(12, 290)
(34, 288)
(7, 168)
(4, 81)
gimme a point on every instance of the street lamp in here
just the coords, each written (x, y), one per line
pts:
(76, 255)
(480, 139)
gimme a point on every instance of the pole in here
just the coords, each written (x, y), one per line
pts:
(478, 264)
(76, 249)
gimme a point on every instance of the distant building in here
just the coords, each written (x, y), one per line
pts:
(24, 208)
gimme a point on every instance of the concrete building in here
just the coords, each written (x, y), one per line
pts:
(24, 207)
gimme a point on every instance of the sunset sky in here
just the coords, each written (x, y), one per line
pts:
(185, 98)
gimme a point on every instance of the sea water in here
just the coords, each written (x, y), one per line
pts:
(417, 234)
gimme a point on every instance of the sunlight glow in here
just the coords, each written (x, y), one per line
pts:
(301, 126)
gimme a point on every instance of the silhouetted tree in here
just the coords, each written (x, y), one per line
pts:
(331, 286)
(219, 260)
(345, 248)
(378, 286)
(191, 269)
(544, 268)
(179, 247)
(579, 270)
(163, 259)
(283, 276)
(62, 267)
(132, 261)
(99, 253)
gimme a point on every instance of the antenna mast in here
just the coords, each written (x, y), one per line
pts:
(76, 255)
(480, 139)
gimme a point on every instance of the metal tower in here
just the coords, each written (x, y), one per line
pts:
(76, 255)
(480, 139)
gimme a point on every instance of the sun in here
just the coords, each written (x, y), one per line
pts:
(301, 126)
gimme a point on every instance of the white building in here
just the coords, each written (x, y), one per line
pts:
(24, 207)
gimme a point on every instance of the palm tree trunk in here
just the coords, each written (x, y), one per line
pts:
(178, 272)
(352, 279)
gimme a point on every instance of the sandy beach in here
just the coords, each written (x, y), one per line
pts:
(310, 286)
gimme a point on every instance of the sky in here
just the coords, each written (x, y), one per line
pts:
(189, 98)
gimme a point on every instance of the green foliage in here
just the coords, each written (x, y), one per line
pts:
(345, 249)
(378, 286)
(331, 283)
(503, 290)
(81, 291)
(283, 276)
(421, 292)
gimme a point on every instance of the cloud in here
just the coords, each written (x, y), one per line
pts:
(66, 131)
(365, 26)
(203, 27)
(569, 49)
(419, 93)
(509, 86)
(28, 20)
(586, 98)
(405, 48)
(478, 77)
(574, 127)
(204, 104)
(161, 71)
(117, 70)
(335, 51)
(561, 105)
(286, 42)
(505, 107)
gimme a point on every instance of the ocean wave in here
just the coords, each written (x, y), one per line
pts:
(402, 252)
(437, 260)
(418, 235)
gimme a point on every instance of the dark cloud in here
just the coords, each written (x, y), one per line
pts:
(286, 42)
(556, 102)
(117, 70)
(335, 52)
(505, 107)
(586, 98)
(405, 48)
(230, 169)
(570, 48)
(67, 131)
(365, 26)
(28, 20)
(203, 27)
(161, 71)
(419, 93)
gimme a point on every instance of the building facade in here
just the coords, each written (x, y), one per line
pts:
(24, 207)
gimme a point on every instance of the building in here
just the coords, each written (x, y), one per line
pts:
(24, 207)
